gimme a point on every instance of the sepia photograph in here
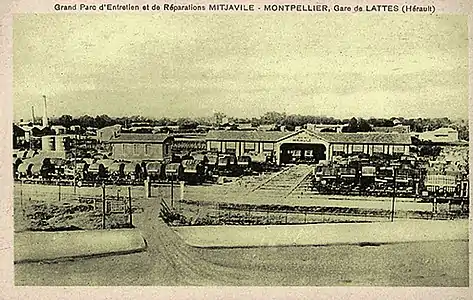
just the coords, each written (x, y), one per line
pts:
(244, 149)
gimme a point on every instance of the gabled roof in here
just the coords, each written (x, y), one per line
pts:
(330, 137)
(365, 138)
(112, 127)
(237, 135)
(393, 129)
(140, 138)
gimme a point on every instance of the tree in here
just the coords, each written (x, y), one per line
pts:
(103, 121)
(273, 117)
(186, 124)
(352, 126)
(364, 126)
(218, 117)
(64, 120)
(86, 121)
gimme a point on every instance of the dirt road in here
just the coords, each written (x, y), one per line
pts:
(170, 262)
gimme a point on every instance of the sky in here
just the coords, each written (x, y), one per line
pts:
(192, 65)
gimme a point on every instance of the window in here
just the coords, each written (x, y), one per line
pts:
(398, 149)
(147, 149)
(230, 151)
(214, 146)
(357, 149)
(267, 146)
(135, 149)
(231, 145)
(249, 146)
(378, 149)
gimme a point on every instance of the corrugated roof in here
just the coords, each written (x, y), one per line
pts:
(140, 138)
(331, 137)
(365, 138)
(236, 135)
(394, 129)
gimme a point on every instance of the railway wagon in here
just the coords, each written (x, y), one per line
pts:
(174, 172)
(116, 171)
(200, 157)
(193, 171)
(133, 171)
(326, 179)
(24, 169)
(155, 170)
(367, 180)
(96, 172)
(212, 164)
(16, 163)
(244, 164)
(227, 165)
(442, 183)
(348, 179)
(56, 167)
(79, 170)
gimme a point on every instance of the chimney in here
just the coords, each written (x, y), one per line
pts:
(45, 112)
(32, 114)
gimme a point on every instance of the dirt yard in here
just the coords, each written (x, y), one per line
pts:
(53, 208)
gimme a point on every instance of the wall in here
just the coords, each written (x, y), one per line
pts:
(240, 148)
(341, 148)
(139, 151)
(442, 135)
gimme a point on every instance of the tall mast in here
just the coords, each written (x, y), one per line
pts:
(32, 114)
(45, 112)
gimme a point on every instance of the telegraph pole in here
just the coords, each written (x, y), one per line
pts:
(75, 162)
(172, 191)
(394, 194)
(394, 168)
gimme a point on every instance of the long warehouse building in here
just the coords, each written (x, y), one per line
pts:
(306, 144)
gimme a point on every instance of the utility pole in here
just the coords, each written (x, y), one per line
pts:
(394, 194)
(394, 168)
(172, 191)
(130, 211)
(32, 114)
(103, 205)
(75, 162)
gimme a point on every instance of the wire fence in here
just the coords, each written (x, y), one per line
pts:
(37, 207)
(190, 212)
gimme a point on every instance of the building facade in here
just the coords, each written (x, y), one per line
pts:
(107, 133)
(441, 135)
(153, 147)
(306, 145)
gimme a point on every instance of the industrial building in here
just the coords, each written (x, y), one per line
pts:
(441, 135)
(306, 145)
(131, 146)
(107, 133)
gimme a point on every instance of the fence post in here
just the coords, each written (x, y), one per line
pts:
(59, 187)
(103, 205)
(172, 192)
(181, 190)
(21, 193)
(130, 211)
(147, 187)
(118, 199)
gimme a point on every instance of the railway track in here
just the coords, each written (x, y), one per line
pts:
(293, 179)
